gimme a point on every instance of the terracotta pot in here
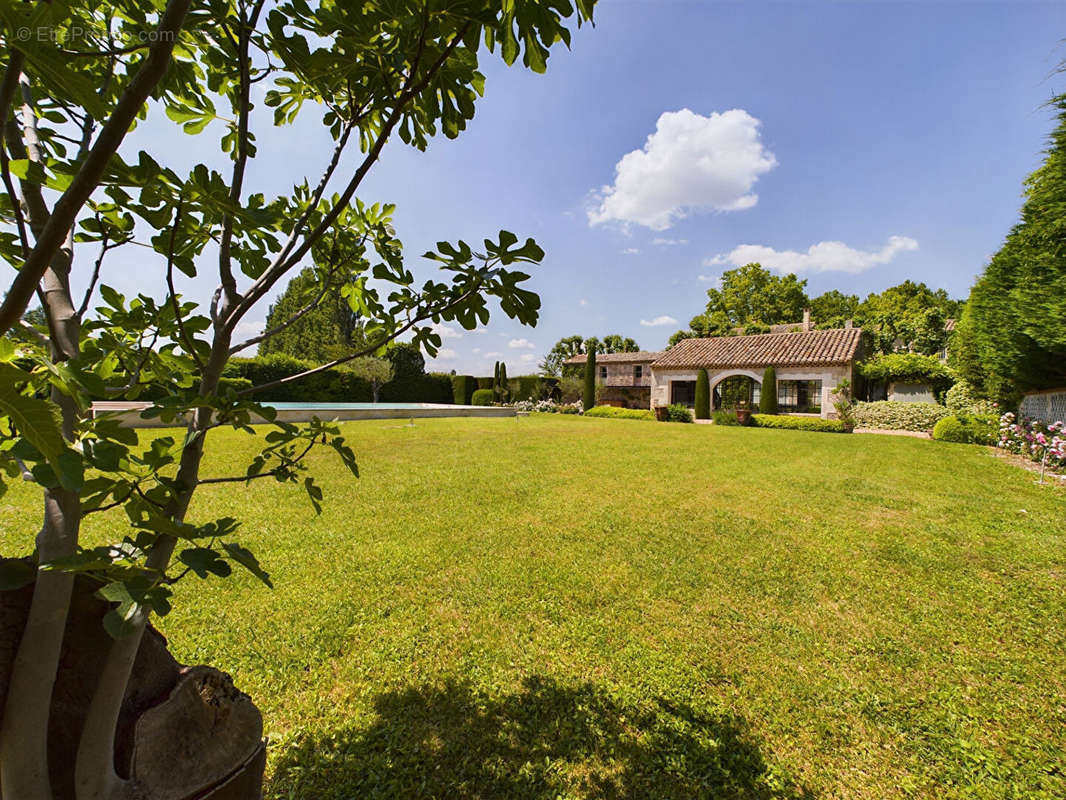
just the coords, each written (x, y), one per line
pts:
(660, 413)
(744, 416)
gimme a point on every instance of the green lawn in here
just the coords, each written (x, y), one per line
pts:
(565, 607)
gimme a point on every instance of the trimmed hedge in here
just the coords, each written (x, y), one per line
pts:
(894, 415)
(463, 387)
(485, 383)
(768, 392)
(613, 412)
(785, 422)
(333, 385)
(703, 395)
(483, 397)
(527, 387)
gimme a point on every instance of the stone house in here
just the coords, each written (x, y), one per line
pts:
(809, 365)
(625, 378)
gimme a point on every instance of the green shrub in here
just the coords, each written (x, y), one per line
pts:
(703, 395)
(613, 412)
(463, 387)
(588, 397)
(894, 415)
(908, 367)
(967, 429)
(952, 429)
(961, 398)
(725, 418)
(791, 423)
(570, 389)
(484, 383)
(483, 397)
(678, 413)
(768, 392)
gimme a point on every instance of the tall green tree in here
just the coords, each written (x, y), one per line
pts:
(311, 320)
(1012, 335)
(588, 397)
(376, 72)
(833, 309)
(749, 300)
(908, 316)
(703, 395)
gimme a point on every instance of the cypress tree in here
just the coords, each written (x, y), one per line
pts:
(768, 395)
(496, 382)
(703, 395)
(588, 400)
(505, 394)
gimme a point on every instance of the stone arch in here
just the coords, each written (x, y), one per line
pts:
(719, 378)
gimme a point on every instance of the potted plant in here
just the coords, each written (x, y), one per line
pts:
(743, 413)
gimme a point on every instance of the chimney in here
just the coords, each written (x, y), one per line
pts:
(806, 319)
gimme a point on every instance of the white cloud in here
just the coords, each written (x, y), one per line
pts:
(476, 350)
(668, 242)
(709, 278)
(821, 257)
(527, 358)
(691, 164)
(493, 354)
(445, 331)
(446, 354)
(658, 321)
(630, 251)
(521, 344)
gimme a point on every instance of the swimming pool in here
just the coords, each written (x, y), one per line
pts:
(129, 414)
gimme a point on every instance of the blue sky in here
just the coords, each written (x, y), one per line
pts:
(901, 131)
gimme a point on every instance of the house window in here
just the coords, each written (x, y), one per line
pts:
(803, 397)
(603, 373)
(638, 372)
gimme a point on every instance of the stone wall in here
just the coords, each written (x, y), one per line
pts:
(1047, 406)
(623, 374)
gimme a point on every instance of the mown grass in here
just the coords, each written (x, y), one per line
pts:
(565, 607)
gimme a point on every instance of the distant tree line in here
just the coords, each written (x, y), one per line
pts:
(750, 299)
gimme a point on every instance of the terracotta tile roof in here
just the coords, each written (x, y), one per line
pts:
(640, 357)
(812, 348)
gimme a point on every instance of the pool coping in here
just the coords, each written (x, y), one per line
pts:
(128, 413)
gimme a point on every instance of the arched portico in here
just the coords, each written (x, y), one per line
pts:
(730, 388)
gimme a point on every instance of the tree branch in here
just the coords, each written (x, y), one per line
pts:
(290, 256)
(185, 340)
(92, 168)
(279, 328)
(421, 317)
(268, 474)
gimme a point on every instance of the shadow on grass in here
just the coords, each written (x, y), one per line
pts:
(546, 741)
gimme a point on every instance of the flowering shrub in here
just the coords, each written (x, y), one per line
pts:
(961, 398)
(894, 415)
(547, 407)
(1036, 440)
